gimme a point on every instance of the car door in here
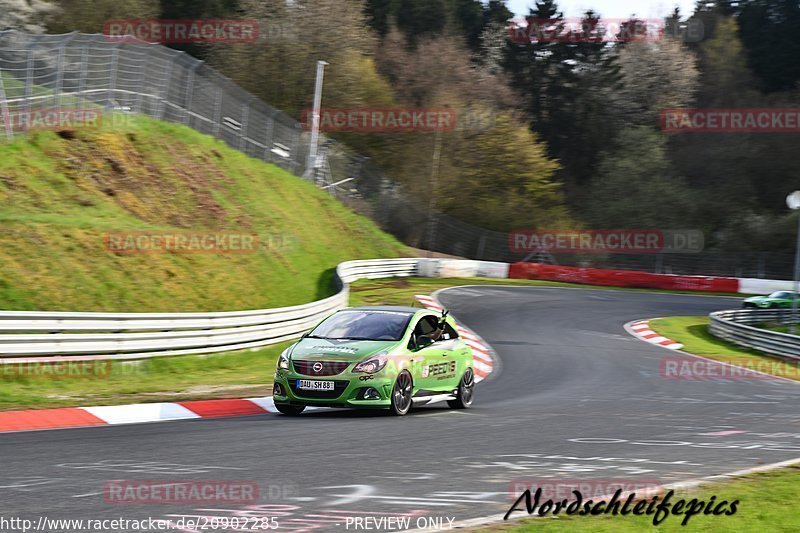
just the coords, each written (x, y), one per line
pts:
(458, 351)
(428, 362)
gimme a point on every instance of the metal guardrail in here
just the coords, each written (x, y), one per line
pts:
(141, 335)
(734, 326)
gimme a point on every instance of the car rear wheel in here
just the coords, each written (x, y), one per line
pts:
(290, 410)
(401, 394)
(466, 391)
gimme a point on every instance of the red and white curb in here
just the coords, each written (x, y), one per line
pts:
(482, 359)
(641, 329)
(76, 417)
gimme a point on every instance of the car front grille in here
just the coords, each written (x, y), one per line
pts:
(328, 368)
(339, 387)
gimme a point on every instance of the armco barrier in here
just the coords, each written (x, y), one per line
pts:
(733, 326)
(622, 278)
(140, 335)
(29, 335)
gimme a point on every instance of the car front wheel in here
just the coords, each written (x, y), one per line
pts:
(402, 394)
(466, 391)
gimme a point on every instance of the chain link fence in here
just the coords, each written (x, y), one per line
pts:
(76, 70)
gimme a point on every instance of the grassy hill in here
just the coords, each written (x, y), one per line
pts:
(62, 192)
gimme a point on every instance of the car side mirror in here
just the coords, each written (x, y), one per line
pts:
(423, 341)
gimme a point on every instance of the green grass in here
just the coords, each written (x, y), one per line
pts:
(692, 332)
(773, 326)
(59, 196)
(766, 503)
(236, 374)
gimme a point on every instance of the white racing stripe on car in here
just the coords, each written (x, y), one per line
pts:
(433, 399)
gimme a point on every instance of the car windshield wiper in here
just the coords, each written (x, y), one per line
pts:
(356, 339)
(316, 337)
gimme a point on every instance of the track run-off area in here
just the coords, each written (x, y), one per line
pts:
(573, 397)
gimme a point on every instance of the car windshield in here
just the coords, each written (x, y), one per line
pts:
(363, 325)
(781, 294)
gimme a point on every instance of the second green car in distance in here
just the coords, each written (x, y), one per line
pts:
(376, 358)
(776, 300)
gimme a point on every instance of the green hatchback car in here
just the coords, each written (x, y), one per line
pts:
(776, 300)
(376, 358)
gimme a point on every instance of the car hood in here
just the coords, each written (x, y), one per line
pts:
(757, 299)
(333, 350)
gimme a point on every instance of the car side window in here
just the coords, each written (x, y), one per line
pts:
(425, 326)
(449, 333)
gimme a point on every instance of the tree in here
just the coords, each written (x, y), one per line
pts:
(25, 15)
(90, 17)
(726, 78)
(637, 186)
(281, 72)
(655, 76)
(769, 32)
(504, 180)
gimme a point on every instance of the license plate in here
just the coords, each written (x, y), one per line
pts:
(307, 384)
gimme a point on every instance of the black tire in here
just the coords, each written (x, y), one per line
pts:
(290, 410)
(466, 391)
(402, 394)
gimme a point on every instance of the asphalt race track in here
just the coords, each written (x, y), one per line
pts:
(575, 398)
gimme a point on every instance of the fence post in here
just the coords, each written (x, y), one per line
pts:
(112, 75)
(269, 137)
(29, 82)
(481, 246)
(190, 91)
(59, 76)
(84, 66)
(165, 89)
(243, 129)
(217, 110)
(4, 108)
(295, 152)
(139, 107)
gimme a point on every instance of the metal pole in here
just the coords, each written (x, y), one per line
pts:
(437, 156)
(190, 91)
(311, 164)
(4, 109)
(793, 325)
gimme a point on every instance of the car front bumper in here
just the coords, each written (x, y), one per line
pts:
(346, 393)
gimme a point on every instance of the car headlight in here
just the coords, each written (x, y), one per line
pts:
(283, 361)
(372, 365)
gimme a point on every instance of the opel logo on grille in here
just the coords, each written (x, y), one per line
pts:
(317, 367)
